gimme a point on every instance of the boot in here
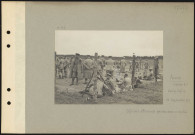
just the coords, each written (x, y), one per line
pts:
(77, 81)
(72, 82)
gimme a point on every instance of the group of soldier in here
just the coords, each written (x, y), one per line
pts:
(112, 73)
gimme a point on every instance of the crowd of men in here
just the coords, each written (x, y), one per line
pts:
(113, 75)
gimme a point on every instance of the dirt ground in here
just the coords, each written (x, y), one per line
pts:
(149, 93)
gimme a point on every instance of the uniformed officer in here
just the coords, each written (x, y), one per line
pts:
(103, 62)
(75, 68)
(122, 65)
(88, 68)
(109, 65)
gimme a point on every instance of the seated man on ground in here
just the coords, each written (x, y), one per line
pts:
(126, 83)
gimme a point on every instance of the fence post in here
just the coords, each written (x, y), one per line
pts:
(95, 76)
(133, 71)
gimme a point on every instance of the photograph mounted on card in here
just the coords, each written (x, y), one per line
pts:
(108, 67)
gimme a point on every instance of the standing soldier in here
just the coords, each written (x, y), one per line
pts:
(146, 69)
(66, 64)
(61, 69)
(123, 64)
(99, 65)
(103, 62)
(70, 67)
(109, 65)
(156, 67)
(75, 68)
(137, 66)
(62, 66)
(130, 65)
(117, 63)
(88, 68)
(140, 63)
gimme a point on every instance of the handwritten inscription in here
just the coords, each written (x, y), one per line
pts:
(154, 111)
(175, 78)
(178, 88)
(180, 8)
(178, 100)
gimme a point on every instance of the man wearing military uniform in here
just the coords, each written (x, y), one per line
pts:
(123, 64)
(146, 65)
(140, 63)
(88, 68)
(66, 64)
(61, 69)
(103, 62)
(99, 65)
(137, 66)
(146, 69)
(130, 65)
(109, 65)
(75, 68)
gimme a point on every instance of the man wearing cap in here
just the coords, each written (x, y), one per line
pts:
(130, 65)
(99, 64)
(75, 68)
(140, 63)
(66, 64)
(88, 68)
(146, 68)
(109, 65)
(103, 62)
(146, 65)
(123, 64)
(137, 66)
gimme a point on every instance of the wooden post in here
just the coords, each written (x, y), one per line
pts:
(95, 76)
(133, 70)
(155, 69)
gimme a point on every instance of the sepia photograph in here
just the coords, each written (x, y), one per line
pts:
(108, 67)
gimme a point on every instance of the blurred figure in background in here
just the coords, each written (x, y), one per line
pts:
(122, 65)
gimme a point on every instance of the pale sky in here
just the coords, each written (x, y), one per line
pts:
(109, 43)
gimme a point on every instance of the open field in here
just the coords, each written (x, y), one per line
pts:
(149, 93)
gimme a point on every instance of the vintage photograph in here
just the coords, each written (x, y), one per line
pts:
(108, 67)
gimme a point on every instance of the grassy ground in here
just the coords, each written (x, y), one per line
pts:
(149, 93)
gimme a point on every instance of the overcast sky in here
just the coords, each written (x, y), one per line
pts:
(109, 43)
